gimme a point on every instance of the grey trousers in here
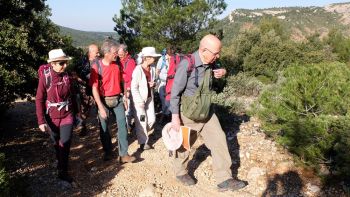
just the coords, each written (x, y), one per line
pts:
(215, 139)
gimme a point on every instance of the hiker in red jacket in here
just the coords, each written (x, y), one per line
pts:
(54, 107)
(128, 64)
(107, 89)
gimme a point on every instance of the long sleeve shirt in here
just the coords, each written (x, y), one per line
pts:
(184, 85)
(61, 90)
(128, 64)
(139, 85)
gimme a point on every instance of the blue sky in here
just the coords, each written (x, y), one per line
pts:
(91, 15)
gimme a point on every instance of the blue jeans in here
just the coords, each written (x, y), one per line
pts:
(162, 94)
(119, 112)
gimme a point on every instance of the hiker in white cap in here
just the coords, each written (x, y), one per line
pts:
(54, 107)
(190, 104)
(142, 85)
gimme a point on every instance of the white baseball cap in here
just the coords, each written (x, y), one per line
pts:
(171, 138)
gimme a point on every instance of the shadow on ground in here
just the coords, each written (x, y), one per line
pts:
(30, 158)
(286, 184)
(230, 123)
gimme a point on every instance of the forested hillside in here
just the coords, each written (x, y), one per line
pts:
(84, 38)
(299, 22)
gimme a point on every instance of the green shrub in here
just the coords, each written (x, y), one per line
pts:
(301, 110)
(270, 55)
(341, 130)
(244, 85)
(233, 54)
(4, 178)
(339, 44)
(239, 85)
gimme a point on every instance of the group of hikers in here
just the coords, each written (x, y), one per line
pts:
(124, 87)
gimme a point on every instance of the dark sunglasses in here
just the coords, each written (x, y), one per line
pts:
(62, 63)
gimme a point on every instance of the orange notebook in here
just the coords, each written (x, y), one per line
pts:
(186, 133)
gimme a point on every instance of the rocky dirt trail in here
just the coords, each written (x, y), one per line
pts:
(268, 169)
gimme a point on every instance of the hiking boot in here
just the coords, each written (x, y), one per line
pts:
(107, 156)
(64, 176)
(186, 180)
(127, 159)
(145, 147)
(231, 184)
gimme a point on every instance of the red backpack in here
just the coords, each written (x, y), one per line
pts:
(173, 65)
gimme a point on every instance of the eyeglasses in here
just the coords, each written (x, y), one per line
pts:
(62, 63)
(215, 54)
(113, 52)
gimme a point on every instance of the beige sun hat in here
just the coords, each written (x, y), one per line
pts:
(57, 55)
(171, 138)
(149, 52)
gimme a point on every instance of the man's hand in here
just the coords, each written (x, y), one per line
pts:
(125, 101)
(127, 94)
(151, 84)
(103, 113)
(175, 122)
(44, 127)
(218, 73)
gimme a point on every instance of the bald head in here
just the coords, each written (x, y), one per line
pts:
(209, 49)
(209, 40)
(93, 52)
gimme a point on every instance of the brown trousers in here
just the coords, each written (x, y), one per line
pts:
(215, 139)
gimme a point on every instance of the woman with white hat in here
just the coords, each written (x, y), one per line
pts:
(54, 107)
(142, 85)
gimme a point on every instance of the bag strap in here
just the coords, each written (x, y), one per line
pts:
(48, 77)
(191, 66)
(126, 63)
(204, 87)
(163, 62)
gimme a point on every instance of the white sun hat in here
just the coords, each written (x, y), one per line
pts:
(149, 52)
(57, 55)
(171, 138)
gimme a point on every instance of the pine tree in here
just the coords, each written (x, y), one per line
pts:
(158, 23)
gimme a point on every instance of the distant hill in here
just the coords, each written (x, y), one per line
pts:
(300, 22)
(84, 38)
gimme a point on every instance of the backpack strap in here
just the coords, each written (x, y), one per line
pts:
(99, 69)
(48, 77)
(126, 63)
(163, 62)
(191, 62)
(196, 70)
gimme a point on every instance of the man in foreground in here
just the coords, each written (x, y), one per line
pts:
(187, 90)
(106, 79)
